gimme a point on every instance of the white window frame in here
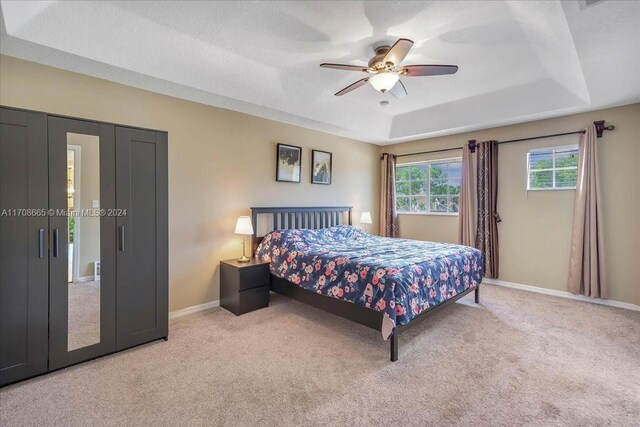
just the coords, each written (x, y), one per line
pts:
(428, 186)
(552, 169)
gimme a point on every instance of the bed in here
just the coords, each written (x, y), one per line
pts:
(317, 257)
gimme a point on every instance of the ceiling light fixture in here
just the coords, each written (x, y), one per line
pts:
(384, 81)
(384, 69)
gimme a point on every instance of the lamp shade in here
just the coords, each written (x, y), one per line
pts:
(365, 218)
(384, 81)
(243, 226)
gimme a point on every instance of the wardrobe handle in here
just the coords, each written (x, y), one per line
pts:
(121, 238)
(41, 243)
(55, 243)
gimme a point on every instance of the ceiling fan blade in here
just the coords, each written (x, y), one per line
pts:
(353, 86)
(398, 51)
(346, 67)
(428, 70)
(398, 90)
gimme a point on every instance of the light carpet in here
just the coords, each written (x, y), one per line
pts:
(516, 359)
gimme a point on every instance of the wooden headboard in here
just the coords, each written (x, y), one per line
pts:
(314, 217)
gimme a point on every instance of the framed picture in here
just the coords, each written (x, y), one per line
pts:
(320, 167)
(288, 163)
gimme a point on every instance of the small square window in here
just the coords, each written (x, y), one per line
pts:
(552, 168)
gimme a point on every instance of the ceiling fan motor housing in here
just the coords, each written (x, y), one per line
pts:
(380, 53)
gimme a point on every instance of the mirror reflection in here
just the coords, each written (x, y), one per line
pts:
(83, 197)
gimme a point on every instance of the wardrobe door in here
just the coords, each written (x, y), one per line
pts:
(24, 299)
(141, 189)
(82, 236)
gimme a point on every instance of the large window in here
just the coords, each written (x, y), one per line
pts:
(552, 168)
(428, 187)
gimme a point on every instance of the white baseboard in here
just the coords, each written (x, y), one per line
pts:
(562, 294)
(193, 309)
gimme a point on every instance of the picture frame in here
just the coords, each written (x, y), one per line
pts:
(288, 163)
(321, 167)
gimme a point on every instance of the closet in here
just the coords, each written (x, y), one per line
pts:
(83, 240)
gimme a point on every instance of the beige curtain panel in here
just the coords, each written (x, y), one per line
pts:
(587, 272)
(466, 209)
(388, 214)
(488, 218)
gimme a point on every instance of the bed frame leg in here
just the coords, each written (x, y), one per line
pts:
(394, 346)
(477, 294)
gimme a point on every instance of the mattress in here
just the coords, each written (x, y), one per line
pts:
(397, 277)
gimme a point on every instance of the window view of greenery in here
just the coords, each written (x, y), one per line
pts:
(553, 168)
(428, 187)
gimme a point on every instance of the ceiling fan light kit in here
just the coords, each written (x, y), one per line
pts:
(384, 81)
(386, 70)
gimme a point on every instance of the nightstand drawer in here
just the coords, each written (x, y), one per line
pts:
(251, 278)
(253, 299)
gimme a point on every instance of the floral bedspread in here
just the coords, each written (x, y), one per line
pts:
(398, 277)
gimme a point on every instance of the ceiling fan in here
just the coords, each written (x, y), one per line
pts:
(386, 70)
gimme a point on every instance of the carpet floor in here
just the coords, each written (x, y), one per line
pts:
(518, 358)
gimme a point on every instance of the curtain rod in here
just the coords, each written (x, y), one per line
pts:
(600, 128)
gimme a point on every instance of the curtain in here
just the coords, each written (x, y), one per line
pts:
(388, 215)
(488, 218)
(466, 211)
(587, 273)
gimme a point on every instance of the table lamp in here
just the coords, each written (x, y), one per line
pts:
(244, 228)
(365, 219)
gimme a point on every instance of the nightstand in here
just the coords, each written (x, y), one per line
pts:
(244, 286)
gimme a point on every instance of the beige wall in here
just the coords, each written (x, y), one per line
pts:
(220, 163)
(535, 231)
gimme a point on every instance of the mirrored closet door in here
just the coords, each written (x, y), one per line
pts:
(82, 236)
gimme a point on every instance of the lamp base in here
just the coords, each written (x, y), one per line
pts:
(244, 259)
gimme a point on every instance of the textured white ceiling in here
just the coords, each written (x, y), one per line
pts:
(519, 60)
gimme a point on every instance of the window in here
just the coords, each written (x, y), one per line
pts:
(552, 168)
(428, 187)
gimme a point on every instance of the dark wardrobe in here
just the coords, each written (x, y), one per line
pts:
(83, 240)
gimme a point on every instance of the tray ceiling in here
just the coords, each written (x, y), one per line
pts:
(518, 61)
